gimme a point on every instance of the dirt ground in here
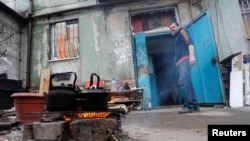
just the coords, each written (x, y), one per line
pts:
(165, 124)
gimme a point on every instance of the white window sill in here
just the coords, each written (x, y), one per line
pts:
(64, 59)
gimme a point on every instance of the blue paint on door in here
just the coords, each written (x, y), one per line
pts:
(154, 95)
(143, 68)
(206, 75)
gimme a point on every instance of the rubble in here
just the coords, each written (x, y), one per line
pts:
(9, 129)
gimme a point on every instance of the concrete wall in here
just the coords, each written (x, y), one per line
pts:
(50, 6)
(12, 47)
(105, 42)
(41, 7)
(227, 24)
(105, 37)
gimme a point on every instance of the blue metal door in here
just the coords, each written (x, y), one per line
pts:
(206, 75)
(143, 77)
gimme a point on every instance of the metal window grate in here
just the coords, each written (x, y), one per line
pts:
(65, 40)
(245, 12)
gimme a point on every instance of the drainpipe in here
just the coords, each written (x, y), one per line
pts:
(20, 54)
(29, 49)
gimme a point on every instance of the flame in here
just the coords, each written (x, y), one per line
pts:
(71, 117)
(93, 114)
(67, 118)
(87, 115)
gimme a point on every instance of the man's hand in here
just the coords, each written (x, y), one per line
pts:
(191, 54)
(192, 60)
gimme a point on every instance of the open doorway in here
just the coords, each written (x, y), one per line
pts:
(153, 53)
(160, 50)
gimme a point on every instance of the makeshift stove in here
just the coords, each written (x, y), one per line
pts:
(78, 126)
(76, 115)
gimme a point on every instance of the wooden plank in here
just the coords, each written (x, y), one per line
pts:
(45, 80)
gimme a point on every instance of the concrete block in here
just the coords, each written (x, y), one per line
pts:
(94, 129)
(54, 131)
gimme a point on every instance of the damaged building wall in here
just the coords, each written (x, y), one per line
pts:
(227, 24)
(54, 6)
(105, 39)
(102, 48)
(183, 9)
(105, 45)
(105, 34)
(12, 45)
(118, 33)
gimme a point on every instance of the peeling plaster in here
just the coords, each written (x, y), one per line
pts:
(122, 49)
(95, 30)
(119, 38)
(41, 51)
(38, 59)
(141, 56)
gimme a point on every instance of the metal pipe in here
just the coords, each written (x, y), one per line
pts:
(20, 49)
(29, 49)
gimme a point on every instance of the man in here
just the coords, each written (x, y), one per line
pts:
(185, 59)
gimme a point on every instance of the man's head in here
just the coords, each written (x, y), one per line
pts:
(174, 27)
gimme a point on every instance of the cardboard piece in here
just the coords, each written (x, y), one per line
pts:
(236, 82)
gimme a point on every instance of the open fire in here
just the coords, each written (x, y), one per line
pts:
(72, 114)
(93, 114)
(78, 125)
(77, 115)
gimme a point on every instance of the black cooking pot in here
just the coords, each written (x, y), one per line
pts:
(62, 93)
(93, 99)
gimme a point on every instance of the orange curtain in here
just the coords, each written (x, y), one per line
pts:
(61, 39)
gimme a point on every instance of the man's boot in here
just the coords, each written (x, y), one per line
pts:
(196, 109)
(185, 110)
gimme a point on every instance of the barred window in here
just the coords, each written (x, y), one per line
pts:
(245, 12)
(64, 40)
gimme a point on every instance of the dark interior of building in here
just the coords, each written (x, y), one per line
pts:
(161, 55)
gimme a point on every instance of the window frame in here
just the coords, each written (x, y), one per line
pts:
(245, 13)
(159, 30)
(53, 55)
